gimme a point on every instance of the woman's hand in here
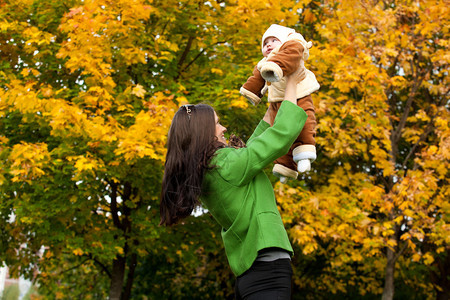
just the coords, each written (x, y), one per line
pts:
(290, 93)
(270, 115)
(299, 74)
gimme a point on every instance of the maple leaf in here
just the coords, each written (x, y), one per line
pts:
(138, 91)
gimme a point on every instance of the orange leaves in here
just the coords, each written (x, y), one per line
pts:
(327, 215)
(397, 81)
(22, 96)
(36, 38)
(427, 258)
(136, 143)
(240, 103)
(381, 158)
(78, 252)
(99, 97)
(86, 166)
(304, 235)
(146, 138)
(134, 56)
(96, 34)
(309, 17)
(236, 100)
(28, 161)
(107, 110)
(138, 91)
(253, 17)
(217, 71)
(119, 250)
(66, 119)
(437, 157)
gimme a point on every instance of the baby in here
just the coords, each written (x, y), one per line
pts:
(285, 51)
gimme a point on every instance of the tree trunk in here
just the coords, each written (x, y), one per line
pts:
(388, 291)
(443, 295)
(440, 276)
(117, 276)
(132, 266)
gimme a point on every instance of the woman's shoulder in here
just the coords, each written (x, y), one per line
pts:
(228, 159)
(223, 153)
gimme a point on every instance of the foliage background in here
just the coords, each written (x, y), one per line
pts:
(88, 91)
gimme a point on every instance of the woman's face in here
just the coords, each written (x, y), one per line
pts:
(220, 130)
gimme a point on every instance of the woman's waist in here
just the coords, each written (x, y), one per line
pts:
(271, 254)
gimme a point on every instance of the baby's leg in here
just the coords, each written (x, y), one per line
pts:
(303, 149)
(285, 165)
(308, 134)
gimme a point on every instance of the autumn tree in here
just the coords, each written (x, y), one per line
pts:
(81, 143)
(88, 91)
(378, 196)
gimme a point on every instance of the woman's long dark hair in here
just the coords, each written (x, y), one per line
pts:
(191, 144)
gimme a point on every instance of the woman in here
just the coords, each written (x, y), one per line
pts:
(233, 187)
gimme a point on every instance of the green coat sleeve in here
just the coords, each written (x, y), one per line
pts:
(239, 166)
(262, 126)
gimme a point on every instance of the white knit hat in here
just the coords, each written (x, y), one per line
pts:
(278, 31)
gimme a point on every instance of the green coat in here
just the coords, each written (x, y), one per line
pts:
(240, 196)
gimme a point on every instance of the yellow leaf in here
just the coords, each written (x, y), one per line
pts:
(182, 100)
(138, 91)
(405, 236)
(428, 259)
(83, 164)
(392, 243)
(78, 252)
(25, 72)
(440, 249)
(240, 103)
(309, 16)
(217, 71)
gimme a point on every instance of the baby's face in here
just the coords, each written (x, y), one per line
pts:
(270, 43)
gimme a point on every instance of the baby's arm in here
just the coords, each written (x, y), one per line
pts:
(283, 62)
(253, 87)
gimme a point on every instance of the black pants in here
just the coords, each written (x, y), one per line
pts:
(269, 280)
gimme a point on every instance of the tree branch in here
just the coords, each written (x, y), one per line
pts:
(399, 253)
(396, 135)
(72, 268)
(104, 268)
(114, 209)
(196, 57)
(424, 135)
(185, 52)
(417, 82)
(126, 223)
